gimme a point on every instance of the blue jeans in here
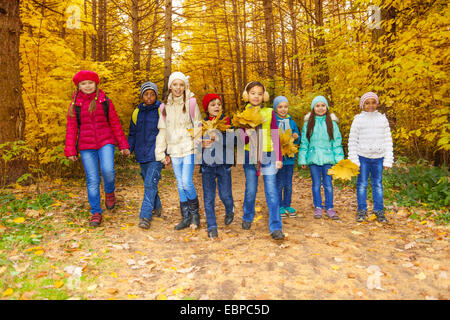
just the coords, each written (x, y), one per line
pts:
(284, 183)
(90, 159)
(270, 189)
(151, 173)
(374, 168)
(183, 168)
(223, 175)
(319, 174)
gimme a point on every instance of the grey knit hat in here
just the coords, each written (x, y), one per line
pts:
(148, 86)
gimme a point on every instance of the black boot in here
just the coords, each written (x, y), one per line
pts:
(186, 215)
(193, 209)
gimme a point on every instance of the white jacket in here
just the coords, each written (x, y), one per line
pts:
(173, 136)
(370, 137)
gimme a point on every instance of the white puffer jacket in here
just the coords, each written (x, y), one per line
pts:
(370, 137)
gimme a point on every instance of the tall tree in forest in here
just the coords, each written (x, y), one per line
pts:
(167, 45)
(12, 112)
(271, 63)
(237, 46)
(321, 63)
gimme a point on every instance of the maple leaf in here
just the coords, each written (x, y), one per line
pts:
(344, 169)
(288, 147)
(209, 126)
(249, 118)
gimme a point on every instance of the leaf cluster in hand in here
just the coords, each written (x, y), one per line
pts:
(344, 169)
(250, 118)
(288, 147)
(209, 126)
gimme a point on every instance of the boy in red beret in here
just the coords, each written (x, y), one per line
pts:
(93, 128)
(216, 166)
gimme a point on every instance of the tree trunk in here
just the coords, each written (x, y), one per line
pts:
(136, 47)
(12, 111)
(244, 46)
(296, 70)
(233, 77)
(271, 63)
(219, 61)
(283, 45)
(237, 46)
(321, 66)
(152, 39)
(94, 24)
(167, 46)
(84, 32)
(101, 31)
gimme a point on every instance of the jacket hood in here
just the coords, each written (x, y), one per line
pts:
(333, 117)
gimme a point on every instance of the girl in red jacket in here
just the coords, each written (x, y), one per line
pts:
(93, 128)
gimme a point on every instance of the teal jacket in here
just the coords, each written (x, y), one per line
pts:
(320, 150)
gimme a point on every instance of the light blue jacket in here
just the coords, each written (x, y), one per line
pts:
(320, 150)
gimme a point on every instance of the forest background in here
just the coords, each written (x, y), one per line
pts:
(300, 49)
(297, 48)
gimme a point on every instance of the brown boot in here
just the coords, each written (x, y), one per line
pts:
(110, 200)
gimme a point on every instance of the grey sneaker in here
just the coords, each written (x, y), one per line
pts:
(246, 225)
(380, 216)
(330, 213)
(361, 216)
(277, 235)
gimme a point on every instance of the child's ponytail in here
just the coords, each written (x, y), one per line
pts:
(71, 111)
(93, 104)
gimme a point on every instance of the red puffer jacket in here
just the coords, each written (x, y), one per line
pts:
(95, 131)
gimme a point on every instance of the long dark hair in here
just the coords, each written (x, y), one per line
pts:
(312, 122)
(167, 98)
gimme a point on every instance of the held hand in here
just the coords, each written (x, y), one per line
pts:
(125, 152)
(167, 161)
(207, 143)
(295, 136)
(279, 164)
(303, 166)
(386, 168)
(73, 158)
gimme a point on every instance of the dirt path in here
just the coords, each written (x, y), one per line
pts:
(320, 259)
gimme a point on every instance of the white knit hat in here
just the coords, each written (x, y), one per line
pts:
(180, 76)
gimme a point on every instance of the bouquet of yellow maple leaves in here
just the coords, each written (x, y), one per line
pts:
(288, 147)
(344, 169)
(209, 126)
(250, 118)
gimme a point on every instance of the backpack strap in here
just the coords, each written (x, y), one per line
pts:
(134, 116)
(192, 104)
(161, 109)
(78, 116)
(105, 105)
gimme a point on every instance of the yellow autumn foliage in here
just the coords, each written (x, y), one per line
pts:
(249, 118)
(344, 169)
(288, 147)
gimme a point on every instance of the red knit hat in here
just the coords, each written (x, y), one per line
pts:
(208, 98)
(85, 75)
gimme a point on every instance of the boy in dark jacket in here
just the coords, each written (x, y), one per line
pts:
(142, 138)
